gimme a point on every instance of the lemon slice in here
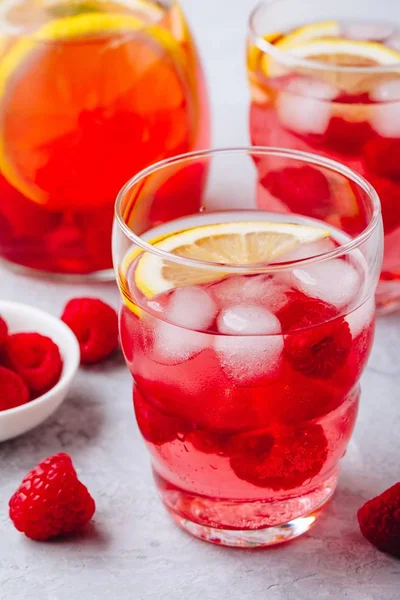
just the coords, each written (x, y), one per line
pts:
(342, 52)
(254, 52)
(224, 243)
(338, 52)
(309, 32)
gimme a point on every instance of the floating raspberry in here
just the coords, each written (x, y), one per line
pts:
(36, 358)
(304, 190)
(95, 324)
(347, 137)
(155, 426)
(319, 351)
(315, 350)
(51, 501)
(65, 245)
(26, 219)
(306, 400)
(3, 332)
(302, 311)
(281, 462)
(379, 521)
(14, 392)
(210, 442)
(186, 182)
(389, 194)
(381, 158)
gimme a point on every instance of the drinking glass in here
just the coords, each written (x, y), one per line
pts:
(246, 332)
(325, 78)
(90, 93)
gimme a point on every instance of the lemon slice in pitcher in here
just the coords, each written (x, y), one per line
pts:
(239, 243)
(73, 96)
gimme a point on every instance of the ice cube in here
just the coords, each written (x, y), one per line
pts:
(360, 318)
(372, 32)
(389, 91)
(174, 345)
(260, 289)
(191, 307)
(246, 358)
(190, 311)
(247, 319)
(334, 281)
(305, 106)
(385, 116)
(308, 250)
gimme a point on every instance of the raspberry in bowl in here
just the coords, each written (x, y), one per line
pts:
(39, 356)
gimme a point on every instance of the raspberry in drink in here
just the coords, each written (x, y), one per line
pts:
(331, 87)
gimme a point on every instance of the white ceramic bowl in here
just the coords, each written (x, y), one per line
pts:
(21, 317)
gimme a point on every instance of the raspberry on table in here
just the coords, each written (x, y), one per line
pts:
(95, 324)
(379, 521)
(14, 391)
(51, 501)
(36, 358)
(280, 462)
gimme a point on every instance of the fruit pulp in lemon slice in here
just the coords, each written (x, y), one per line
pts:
(235, 243)
(112, 95)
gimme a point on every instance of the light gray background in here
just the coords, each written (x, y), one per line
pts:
(133, 551)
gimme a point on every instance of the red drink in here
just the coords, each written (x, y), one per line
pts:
(232, 416)
(246, 333)
(333, 88)
(90, 94)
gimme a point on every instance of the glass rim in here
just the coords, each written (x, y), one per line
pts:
(295, 61)
(254, 268)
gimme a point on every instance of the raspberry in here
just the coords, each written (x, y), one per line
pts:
(3, 332)
(96, 227)
(381, 158)
(302, 311)
(51, 501)
(319, 351)
(389, 194)
(282, 462)
(155, 426)
(316, 350)
(188, 182)
(304, 190)
(347, 137)
(95, 324)
(36, 358)
(379, 521)
(306, 400)
(14, 392)
(65, 245)
(210, 442)
(26, 219)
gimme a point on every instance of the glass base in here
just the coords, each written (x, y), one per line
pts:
(97, 276)
(245, 524)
